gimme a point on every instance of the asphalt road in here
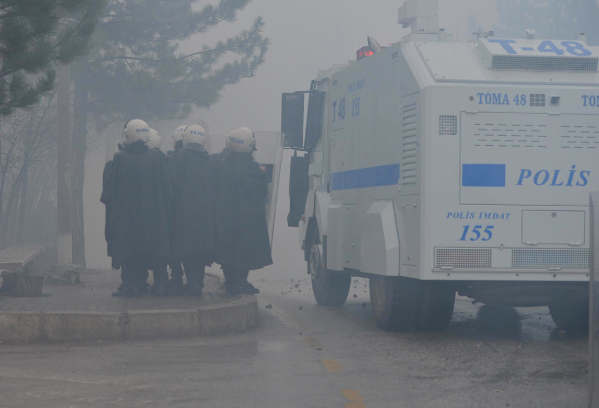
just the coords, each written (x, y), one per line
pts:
(303, 355)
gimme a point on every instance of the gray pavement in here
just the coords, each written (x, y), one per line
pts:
(303, 355)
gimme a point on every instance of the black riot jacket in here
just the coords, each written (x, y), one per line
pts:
(178, 147)
(161, 153)
(137, 193)
(242, 234)
(193, 174)
(105, 177)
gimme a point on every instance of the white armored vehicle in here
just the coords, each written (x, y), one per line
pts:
(434, 167)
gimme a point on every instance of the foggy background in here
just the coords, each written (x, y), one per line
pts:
(306, 36)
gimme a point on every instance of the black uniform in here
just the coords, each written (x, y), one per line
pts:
(105, 175)
(107, 233)
(175, 264)
(192, 172)
(158, 265)
(242, 241)
(137, 194)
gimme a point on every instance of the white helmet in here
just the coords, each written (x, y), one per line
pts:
(136, 130)
(155, 139)
(241, 140)
(194, 134)
(178, 134)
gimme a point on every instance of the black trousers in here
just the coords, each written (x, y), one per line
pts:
(176, 270)
(234, 275)
(159, 267)
(195, 269)
(134, 271)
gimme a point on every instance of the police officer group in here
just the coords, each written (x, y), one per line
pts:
(186, 210)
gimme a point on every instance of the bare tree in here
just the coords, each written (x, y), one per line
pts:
(28, 175)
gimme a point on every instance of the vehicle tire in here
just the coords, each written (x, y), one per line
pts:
(330, 288)
(403, 304)
(571, 316)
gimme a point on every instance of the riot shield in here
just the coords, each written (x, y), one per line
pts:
(594, 304)
(270, 155)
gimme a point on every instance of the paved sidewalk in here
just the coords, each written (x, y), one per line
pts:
(95, 295)
(89, 312)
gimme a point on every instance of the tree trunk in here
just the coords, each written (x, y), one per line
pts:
(8, 232)
(23, 203)
(78, 151)
(29, 144)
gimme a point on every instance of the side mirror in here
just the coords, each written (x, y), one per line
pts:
(292, 120)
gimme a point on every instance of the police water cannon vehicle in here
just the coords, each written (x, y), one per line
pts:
(434, 167)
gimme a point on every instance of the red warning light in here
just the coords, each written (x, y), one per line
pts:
(364, 52)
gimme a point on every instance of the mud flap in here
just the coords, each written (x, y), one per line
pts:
(379, 247)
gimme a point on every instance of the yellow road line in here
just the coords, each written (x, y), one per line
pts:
(312, 342)
(331, 365)
(354, 397)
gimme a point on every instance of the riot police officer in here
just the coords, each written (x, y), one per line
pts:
(176, 282)
(177, 139)
(138, 194)
(107, 235)
(158, 265)
(155, 141)
(192, 172)
(242, 241)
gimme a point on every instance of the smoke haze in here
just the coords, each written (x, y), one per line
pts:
(306, 36)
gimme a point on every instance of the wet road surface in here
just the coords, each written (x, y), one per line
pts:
(303, 355)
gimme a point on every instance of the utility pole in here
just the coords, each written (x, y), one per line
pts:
(63, 100)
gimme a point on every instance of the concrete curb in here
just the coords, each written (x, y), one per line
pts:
(236, 316)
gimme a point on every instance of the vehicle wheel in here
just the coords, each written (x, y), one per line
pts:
(571, 316)
(330, 288)
(404, 304)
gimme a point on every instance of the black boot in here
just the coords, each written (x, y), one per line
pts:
(120, 292)
(159, 289)
(240, 289)
(176, 287)
(194, 285)
(248, 285)
(194, 269)
(143, 288)
(130, 291)
(194, 289)
(235, 288)
(242, 280)
(230, 289)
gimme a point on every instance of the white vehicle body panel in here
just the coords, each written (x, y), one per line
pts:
(441, 168)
